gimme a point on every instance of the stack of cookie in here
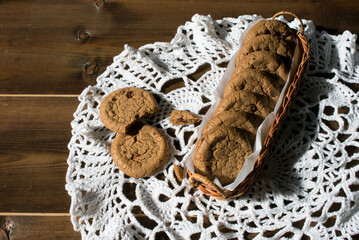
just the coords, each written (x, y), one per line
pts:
(139, 150)
(262, 67)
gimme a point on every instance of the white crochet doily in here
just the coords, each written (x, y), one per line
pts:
(308, 189)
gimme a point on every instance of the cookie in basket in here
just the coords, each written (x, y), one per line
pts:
(267, 62)
(220, 153)
(274, 28)
(236, 120)
(254, 81)
(248, 102)
(140, 154)
(267, 43)
(122, 108)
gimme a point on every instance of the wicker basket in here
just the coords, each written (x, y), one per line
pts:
(211, 189)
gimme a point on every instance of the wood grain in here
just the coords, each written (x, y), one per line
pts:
(38, 227)
(34, 134)
(62, 46)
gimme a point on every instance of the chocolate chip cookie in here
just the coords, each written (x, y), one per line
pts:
(220, 153)
(123, 107)
(142, 154)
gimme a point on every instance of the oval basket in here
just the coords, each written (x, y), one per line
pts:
(207, 186)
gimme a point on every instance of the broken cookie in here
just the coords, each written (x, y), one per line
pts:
(138, 150)
(122, 108)
(182, 117)
(142, 154)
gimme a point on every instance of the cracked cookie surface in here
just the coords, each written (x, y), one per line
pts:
(244, 101)
(266, 62)
(142, 154)
(274, 28)
(122, 108)
(220, 153)
(240, 121)
(267, 43)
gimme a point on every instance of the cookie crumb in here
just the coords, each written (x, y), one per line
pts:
(178, 170)
(183, 117)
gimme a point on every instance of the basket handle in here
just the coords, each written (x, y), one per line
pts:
(195, 178)
(292, 14)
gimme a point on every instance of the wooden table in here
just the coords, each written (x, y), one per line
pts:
(49, 52)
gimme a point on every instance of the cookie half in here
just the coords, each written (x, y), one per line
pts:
(122, 108)
(183, 117)
(140, 155)
(220, 153)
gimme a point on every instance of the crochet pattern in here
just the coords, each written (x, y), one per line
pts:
(309, 187)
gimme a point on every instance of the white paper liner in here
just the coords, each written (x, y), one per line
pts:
(262, 130)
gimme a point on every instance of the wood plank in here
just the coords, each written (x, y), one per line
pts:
(38, 227)
(34, 134)
(58, 227)
(44, 53)
(42, 227)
